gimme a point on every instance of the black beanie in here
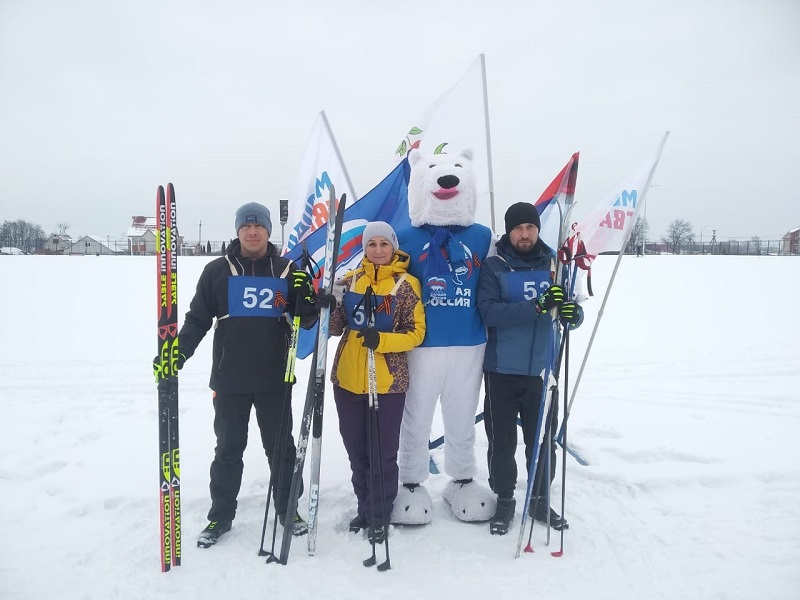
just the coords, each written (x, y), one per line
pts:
(521, 212)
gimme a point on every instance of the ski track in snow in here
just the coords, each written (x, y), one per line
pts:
(687, 415)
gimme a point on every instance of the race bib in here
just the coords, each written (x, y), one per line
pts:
(257, 296)
(382, 311)
(526, 285)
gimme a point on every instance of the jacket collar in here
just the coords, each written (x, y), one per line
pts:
(399, 264)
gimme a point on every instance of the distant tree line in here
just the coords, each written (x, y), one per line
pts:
(23, 235)
(680, 239)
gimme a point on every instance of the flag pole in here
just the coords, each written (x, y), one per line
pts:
(591, 338)
(488, 136)
(611, 283)
(340, 159)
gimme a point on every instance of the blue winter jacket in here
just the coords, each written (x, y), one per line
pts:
(519, 337)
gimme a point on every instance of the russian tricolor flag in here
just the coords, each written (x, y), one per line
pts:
(558, 195)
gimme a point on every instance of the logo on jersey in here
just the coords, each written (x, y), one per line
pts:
(461, 267)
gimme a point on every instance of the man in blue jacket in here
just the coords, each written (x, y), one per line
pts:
(516, 294)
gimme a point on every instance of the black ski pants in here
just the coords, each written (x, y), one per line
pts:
(356, 427)
(509, 396)
(231, 420)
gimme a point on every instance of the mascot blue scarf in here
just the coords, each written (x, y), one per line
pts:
(445, 253)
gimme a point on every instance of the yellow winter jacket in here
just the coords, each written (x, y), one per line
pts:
(391, 367)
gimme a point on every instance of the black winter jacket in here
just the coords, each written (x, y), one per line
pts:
(249, 352)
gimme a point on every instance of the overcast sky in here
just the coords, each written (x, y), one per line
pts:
(100, 102)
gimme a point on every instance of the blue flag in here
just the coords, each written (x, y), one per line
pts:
(387, 201)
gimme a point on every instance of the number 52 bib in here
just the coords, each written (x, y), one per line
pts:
(257, 296)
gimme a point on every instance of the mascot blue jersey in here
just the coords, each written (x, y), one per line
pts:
(449, 290)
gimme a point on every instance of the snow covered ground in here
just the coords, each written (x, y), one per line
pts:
(688, 414)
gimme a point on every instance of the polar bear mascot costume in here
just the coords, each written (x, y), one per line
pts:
(447, 248)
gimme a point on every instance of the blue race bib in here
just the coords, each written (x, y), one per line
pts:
(382, 311)
(257, 296)
(526, 285)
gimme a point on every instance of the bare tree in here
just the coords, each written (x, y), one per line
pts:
(638, 237)
(62, 227)
(755, 246)
(22, 234)
(679, 232)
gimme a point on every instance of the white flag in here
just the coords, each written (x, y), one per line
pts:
(456, 121)
(608, 227)
(320, 168)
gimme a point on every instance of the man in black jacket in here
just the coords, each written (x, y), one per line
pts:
(250, 292)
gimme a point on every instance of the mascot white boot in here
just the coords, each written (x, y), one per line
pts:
(447, 248)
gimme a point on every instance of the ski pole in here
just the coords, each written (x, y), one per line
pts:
(375, 421)
(539, 474)
(370, 365)
(280, 445)
(560, 552)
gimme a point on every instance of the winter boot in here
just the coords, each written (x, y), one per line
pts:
(299, 527)
(359, 523)
(538, 510)
(211, 534)
(503, 515)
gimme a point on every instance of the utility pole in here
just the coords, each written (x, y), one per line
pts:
(702, 229)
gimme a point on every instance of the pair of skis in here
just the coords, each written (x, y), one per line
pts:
(311, 422)
(166, 371)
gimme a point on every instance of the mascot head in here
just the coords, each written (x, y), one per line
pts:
(441, 189)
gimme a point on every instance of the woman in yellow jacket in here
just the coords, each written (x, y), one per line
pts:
(381, 287)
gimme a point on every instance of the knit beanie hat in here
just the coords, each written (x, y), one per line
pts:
(253, 212)
(379, 229)
(522, 212)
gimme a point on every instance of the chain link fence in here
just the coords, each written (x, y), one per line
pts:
(728, 247)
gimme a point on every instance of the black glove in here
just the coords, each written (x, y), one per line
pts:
(550, 298)
(300, 282)
(570, 313)
(326, 300)
(371, 337)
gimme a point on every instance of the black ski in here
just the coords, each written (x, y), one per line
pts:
(315, 392)
(167, 379)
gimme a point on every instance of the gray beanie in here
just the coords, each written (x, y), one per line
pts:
(379, 229)
(253, 212)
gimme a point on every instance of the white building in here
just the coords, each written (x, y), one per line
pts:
(142, 236)
(58, 243)
(89, 244)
